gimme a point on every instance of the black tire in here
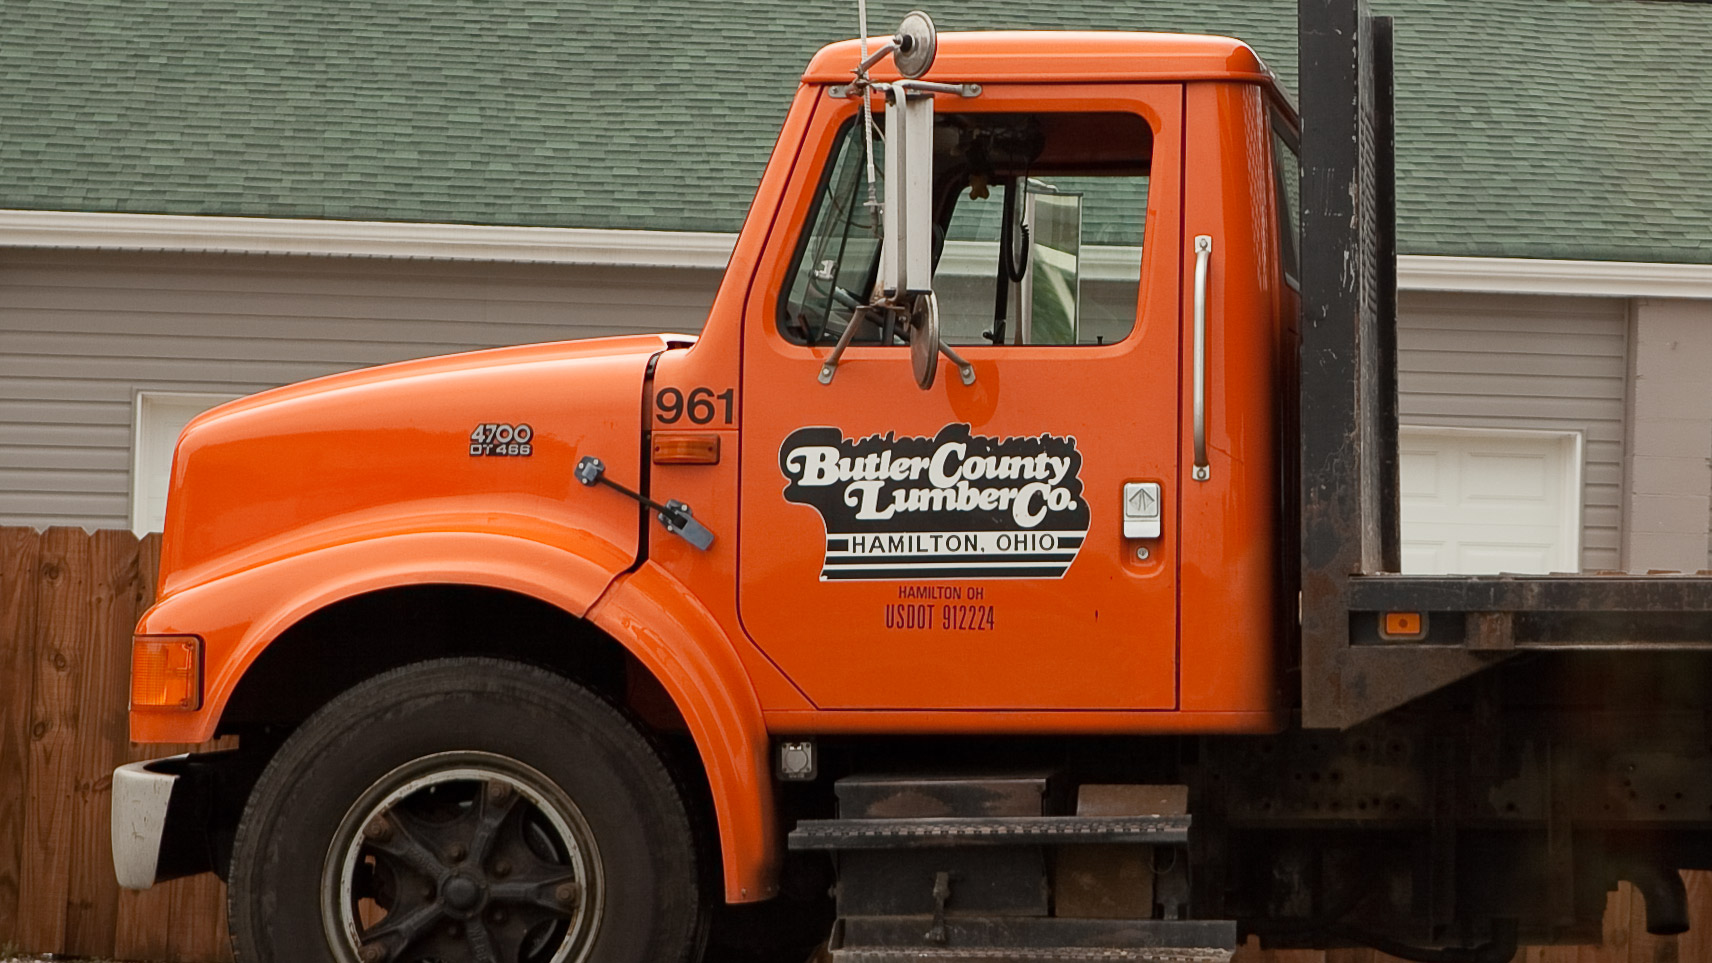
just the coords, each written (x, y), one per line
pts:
(582, 838)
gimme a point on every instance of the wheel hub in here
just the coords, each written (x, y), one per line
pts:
(462, 893)
(473, 860)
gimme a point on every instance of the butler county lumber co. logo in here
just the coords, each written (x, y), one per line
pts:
(956, 505)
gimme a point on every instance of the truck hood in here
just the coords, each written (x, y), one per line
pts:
(488, 439)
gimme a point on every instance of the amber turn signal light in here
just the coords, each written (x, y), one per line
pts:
(686, 448)
(1404, 626)
(166, 672)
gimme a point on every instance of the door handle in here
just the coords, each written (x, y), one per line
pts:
(1203, 262)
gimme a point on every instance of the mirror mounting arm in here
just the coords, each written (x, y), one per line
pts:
(965, 370)
(829, 367)
(874, 88)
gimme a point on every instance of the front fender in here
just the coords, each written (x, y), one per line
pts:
(648, 612)
(239, 614)
(670, 632)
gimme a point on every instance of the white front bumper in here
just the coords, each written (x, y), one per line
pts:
(140, 800)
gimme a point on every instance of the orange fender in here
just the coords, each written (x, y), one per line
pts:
(648, 612)
(239, 614)
(670, 632)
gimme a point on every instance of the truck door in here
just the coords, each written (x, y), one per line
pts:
(965, 547)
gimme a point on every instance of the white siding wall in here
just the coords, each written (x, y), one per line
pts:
(81, 332)
(1526, 362)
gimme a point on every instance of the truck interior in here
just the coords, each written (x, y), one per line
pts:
(1039, 224)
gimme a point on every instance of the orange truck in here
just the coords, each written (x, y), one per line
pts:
(1008, 571)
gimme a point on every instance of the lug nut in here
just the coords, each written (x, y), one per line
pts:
(378, 829)
(373, 952)
(565, 892)
(498, 792)
(457, 852)
(502, 868)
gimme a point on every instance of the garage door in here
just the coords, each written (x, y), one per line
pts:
(1479, 500)
(1526, 362)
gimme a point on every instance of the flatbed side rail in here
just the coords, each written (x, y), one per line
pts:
(1537, 612)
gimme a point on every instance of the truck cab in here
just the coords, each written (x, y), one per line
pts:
(968, 547)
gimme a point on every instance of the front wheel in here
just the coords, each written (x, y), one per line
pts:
(466, 810)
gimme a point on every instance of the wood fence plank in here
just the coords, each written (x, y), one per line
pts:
(145, 916)
(92, 903)
(199, 921)
(20, 562)
(148, 571)
(144, 919)
(183, 921)
(62, 633)
(1696, 944)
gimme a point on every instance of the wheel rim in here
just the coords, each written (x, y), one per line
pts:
(462, 856)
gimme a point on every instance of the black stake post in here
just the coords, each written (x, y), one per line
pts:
(1348, 394)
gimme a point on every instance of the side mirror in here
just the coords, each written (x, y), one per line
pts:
(906, 259)
(916, 43)
(1051, 288)
(924, 344)
(906, 237)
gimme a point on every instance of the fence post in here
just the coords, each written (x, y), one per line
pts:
(20, 561)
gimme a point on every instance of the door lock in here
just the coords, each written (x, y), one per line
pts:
(1142, 513)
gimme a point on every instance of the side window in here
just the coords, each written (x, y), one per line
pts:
(1044, 233)
(1289, 170)
(1040, 220)
(835, 272)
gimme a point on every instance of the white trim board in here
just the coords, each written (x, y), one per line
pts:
(1515, 275)
(78, 230)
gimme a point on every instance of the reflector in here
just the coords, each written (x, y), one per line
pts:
(1403, 625)
(686, 448)
(166, 672)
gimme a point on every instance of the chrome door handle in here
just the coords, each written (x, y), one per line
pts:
(1203, 261)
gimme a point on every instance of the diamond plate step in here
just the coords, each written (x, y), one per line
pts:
(943, 833)
(1026, 955)
(1023, 940)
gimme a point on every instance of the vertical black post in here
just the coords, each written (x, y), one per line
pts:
(1348, 395)
(1385, 353)
(1340, 521)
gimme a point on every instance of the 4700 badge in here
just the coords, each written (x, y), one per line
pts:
(496, 439)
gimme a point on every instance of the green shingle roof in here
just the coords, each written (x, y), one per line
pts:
(1528, 128)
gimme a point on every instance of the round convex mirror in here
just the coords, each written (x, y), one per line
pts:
(917, 43)
(923, 325)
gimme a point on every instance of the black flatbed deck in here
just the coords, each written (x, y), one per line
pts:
(1346, 439)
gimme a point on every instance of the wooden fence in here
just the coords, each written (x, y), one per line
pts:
(68, 601)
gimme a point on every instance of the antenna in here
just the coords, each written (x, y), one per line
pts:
(912, 50)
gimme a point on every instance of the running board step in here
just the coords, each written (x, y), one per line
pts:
(896, 939)
(953, 832)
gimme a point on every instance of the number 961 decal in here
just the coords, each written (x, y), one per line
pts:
(500, 439)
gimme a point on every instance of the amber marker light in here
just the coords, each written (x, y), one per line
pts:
(166, 672)
(686, 448)
(1404, 625)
